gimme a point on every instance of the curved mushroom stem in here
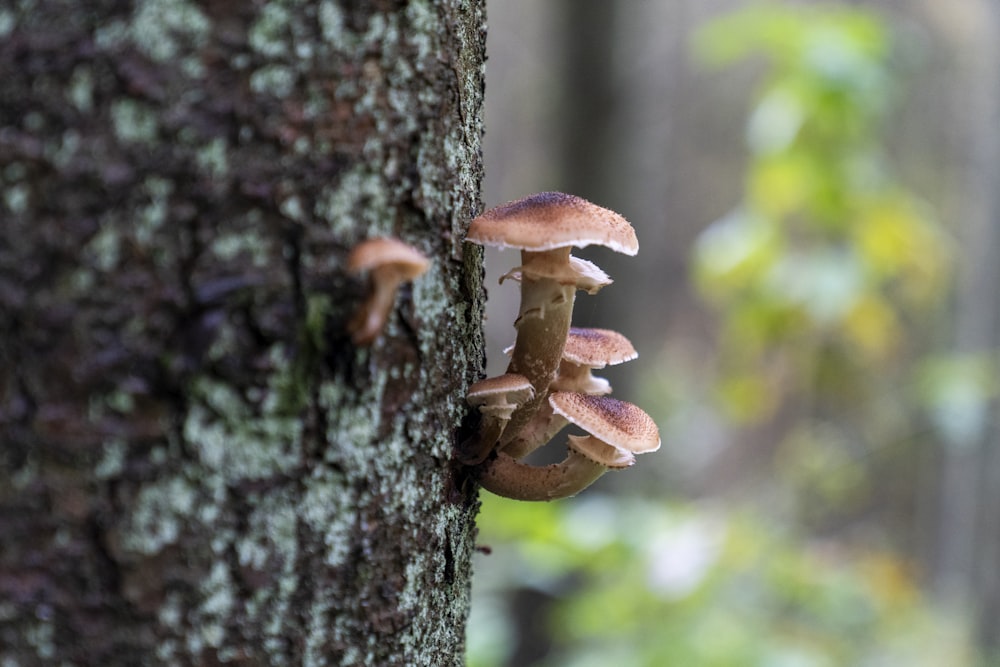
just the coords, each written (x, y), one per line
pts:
(542, 327)
(507, 477)
(476, 448)
(544, 426)
(370, 318)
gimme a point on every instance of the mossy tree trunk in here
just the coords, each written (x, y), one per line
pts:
(196, 465)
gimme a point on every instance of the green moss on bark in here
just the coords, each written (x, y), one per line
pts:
(236, 481)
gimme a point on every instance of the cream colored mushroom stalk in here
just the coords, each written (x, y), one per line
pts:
(617, 432)
(545, 227)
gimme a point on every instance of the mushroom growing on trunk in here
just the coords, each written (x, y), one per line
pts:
(545, 227)
(389, 262)
(585, 350)
(617, 432)
(496, 398)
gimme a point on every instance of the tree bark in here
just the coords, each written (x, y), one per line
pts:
(197, 466)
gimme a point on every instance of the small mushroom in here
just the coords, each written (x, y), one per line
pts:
(614, 422)
(496, 398)
(545, 227)
(617, 431)
(389, 262)
(585, 350)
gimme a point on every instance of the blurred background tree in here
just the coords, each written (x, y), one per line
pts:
(828, 274)
(815, 307)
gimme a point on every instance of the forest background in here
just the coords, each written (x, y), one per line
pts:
(814, 190)
(187, 470)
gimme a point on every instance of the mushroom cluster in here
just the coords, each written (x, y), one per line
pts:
(549, 383)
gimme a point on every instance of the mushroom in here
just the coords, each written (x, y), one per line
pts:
(496, 398)
(544, 227)
(390, 263)
(585, 350)
(617, 432)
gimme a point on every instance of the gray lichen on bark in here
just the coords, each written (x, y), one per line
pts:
(202, 467)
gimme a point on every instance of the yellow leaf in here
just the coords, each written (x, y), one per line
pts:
(872, 327)
(747, 398)
(780, 184)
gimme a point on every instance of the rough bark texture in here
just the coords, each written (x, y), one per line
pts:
(196, 465)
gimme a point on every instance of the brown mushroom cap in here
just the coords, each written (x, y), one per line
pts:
(597, 348)
(390, 262)
(506, 390)
(550, 220)
(496, 399)
(406, 261)
(614, 422)
(594, 348)
(587, 349)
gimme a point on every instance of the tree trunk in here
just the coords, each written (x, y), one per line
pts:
(967, 534)
(197, 466)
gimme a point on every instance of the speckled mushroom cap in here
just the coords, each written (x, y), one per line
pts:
(597, 348)
(387, 251)
(550, 220)
(594, 348)
(509, 388)
(614, 422)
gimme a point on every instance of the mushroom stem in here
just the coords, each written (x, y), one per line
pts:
(542, 328)
(541, 429)
(370, 319)
(476, 448)
(510, 478)
(496, 398)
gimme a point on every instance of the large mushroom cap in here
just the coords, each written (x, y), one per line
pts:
(379, 252)
(614, 422)
(597, 348)
(550, 220)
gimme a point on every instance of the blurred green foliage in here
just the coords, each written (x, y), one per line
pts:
(638, 582)
(829, 281)
(821, 271)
